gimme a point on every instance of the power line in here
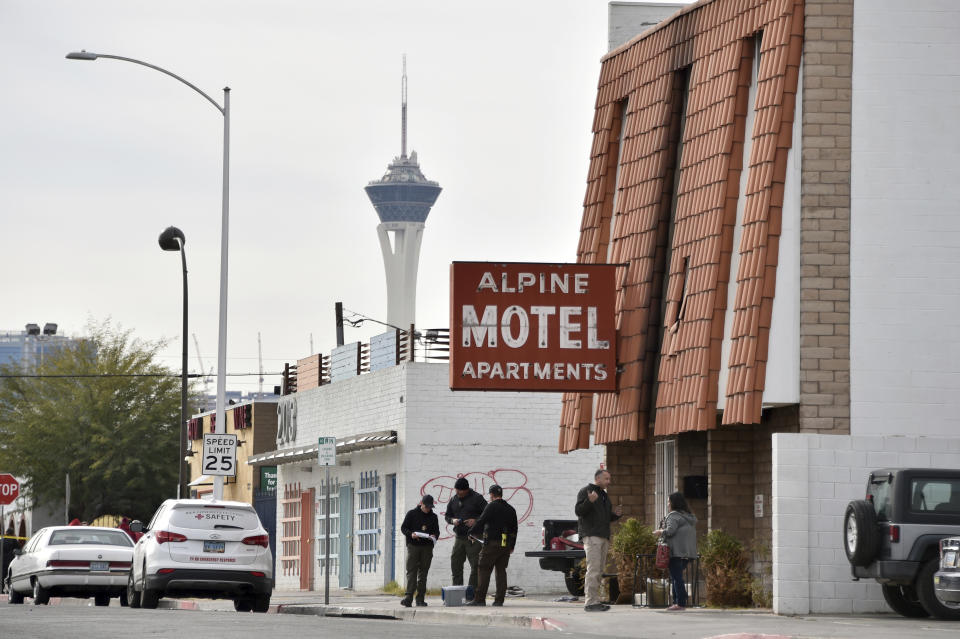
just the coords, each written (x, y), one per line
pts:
(364, 318)
(94, 375)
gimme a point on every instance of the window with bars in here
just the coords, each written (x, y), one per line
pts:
(290, 530)
(666, 472)
(333, 521)
(368, 524)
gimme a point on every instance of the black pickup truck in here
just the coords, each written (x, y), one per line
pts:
(562, 551)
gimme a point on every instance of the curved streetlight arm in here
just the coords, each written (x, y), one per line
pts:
(86, 55)
(224, 237)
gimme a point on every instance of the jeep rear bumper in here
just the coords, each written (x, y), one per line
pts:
(889, 572)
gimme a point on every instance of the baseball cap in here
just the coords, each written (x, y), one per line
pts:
(427, 501)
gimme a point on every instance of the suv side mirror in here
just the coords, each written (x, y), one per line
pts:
(137, 526)
(17, 552)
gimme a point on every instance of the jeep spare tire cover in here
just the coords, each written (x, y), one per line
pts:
(861, 536)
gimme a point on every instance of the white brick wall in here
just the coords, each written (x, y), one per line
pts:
(510, 438)
(905, 233)
(814, 478)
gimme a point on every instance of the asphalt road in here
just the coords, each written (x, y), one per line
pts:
(81, 622)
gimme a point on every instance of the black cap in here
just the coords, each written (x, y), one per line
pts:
(462, 484)
(496, 491)
(427, 501)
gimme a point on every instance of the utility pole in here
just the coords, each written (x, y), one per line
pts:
(260, 358)
(338, 311)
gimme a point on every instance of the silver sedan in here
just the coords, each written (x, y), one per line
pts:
(72, 561)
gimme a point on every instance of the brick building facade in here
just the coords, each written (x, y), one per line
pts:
(763, 171)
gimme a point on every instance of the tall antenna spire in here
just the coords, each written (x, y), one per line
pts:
(403, 110)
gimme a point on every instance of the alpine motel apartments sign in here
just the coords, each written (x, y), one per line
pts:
(532, 327)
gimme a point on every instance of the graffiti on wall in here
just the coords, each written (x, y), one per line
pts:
(513, 482)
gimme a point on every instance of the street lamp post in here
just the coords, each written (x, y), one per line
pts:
(172, 239)
(224, 235)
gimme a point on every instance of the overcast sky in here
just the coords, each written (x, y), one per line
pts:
(97, 158)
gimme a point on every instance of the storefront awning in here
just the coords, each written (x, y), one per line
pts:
(349, 444)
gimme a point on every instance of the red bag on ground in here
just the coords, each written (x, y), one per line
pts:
(663, 555)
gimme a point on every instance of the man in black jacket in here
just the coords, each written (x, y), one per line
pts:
(498, 525)
(462, 512)
(421, 529)
(594, 514)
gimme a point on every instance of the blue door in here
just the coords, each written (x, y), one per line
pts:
(265, 503)
(346, 536)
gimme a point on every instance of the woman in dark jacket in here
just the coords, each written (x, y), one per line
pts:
(679, 530)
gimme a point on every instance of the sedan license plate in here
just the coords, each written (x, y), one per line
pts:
(99, 566)
(213, 546)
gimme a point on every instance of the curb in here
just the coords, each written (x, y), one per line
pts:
(423, 616)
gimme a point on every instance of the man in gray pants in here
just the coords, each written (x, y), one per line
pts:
(594, 514)
(462, 512)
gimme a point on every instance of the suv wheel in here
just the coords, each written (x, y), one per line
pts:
(928, 597)
(904, 601)
(149, 597)
(261, 603)
(861, 536)
(242, 604)
(133, 597)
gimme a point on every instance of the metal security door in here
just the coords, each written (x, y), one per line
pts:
(391, 536)
(346, 536)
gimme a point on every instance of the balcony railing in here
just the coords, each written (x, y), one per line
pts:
(357, 358)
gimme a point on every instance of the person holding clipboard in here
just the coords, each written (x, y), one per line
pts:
(421, 528)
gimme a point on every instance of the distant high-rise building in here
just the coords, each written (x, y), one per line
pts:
(403, 198)
(29, 347)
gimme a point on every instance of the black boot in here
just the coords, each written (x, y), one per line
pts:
(406, 601)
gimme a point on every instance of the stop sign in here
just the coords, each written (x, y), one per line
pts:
(9, 489)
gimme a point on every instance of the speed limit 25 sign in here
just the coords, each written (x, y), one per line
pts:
(219, 454)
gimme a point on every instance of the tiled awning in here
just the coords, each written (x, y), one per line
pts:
(349, 444)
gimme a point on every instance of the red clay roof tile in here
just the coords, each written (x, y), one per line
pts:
(710, 37)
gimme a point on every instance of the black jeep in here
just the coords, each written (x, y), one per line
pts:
(893, 536)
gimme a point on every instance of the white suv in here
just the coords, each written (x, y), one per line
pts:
(200, 548)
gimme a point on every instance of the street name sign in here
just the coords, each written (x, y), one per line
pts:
(327, 451)
(220, 454)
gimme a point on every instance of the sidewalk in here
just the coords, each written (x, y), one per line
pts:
(536, 612)
(525, 612)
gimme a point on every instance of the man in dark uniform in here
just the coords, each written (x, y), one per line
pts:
(422, 529)
(498, 525)
(462, 512)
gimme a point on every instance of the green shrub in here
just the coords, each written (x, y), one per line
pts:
(724, 564)
(631, 539)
